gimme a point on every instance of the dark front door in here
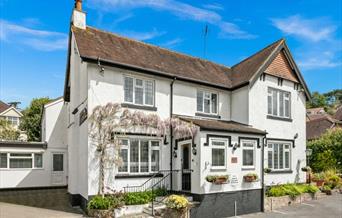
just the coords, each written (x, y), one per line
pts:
(186, 171)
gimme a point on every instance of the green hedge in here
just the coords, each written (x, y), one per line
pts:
(134, 198)
(292, 190)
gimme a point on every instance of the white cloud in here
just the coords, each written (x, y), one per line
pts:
(171, 43)
(312, 29)
(214, 6)
(315, 63)
(142, 36)
(38, 39)
(123, 18)
(179, 9)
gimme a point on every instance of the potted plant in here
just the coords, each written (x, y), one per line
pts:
(250, 177)
(306, 169)
(177, 207)
(319, 179)
(103, 206)
(267, 170)
(326, 189)
(218, 180)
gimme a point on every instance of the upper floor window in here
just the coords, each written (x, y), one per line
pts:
(278, 103)
(206, 102)
(13, 120)
(139, 91)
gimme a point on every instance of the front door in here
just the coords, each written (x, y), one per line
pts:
(186, 171)
(57, 169)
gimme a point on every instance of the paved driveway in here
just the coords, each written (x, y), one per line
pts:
(330, 207)
(20, 211)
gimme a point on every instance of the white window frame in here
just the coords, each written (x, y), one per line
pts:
(9, 157)
(249, 148)
(144, 80)
(204, 92)
(289, 150)
(279, 92)
(10, 119)
(150, 149)
(223, 147)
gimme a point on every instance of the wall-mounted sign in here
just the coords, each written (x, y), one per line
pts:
(234, 159)
(234, 179)
(83, 115)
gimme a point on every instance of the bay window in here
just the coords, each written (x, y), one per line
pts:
(139, 156)
(218, 154)
(248, 156)
(279, 155)
(138, 91)
(278, 103)
(21, 160)
(206, 102)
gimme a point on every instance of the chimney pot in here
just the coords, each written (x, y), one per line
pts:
(78, 5)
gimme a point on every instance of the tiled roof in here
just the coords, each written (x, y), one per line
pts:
(316, 127)
(93, 44)
(338, 114)
(3, 106)
(220, 125)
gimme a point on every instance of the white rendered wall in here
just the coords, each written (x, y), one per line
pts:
(239, 105)
(281, 129)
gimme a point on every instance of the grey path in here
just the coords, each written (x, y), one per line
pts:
(330, 207)
(19, 211)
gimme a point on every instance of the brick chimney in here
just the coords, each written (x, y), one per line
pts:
(78, 16)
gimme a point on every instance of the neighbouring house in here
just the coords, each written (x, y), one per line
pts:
(249, 117)
(38, 164)
(315, 113)
(317, 126)
(10, 113)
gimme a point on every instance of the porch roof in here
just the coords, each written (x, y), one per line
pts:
(223, 126)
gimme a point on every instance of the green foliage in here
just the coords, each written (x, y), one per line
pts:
(213, 178)
(293, 190)
(31, 120)
(326, 188)
(327, 151)
(106, 202)
(317, 100)
(7, 132)
(134, 198)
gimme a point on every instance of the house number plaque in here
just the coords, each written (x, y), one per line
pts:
(234, 160)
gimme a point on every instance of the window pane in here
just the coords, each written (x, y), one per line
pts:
(143, 156)
(124, 158)
(206, 105)
(281, 156)
(275, 102)
(281, 104)
(155, 143)
(248, 145)
(128, 89)
(57, 162)
(269, 156)
(269, 104)
(218, 156)
(134, 156)
(214, 103)
(21, 163)
(138, 98)
(287, 108)
(200, 101)
(3, 160)
(247, 157)
(218, 143)
(138, 82)
(287, 159)
(149, 92)
(21, 155)
(275, 156)
(38, 160)
(155, 160)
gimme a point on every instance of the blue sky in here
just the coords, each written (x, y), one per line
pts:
(33, 36)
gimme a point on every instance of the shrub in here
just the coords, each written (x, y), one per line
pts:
(292, 190)
(311, 189)
(276, 191)
(212, 179)
(134, 198)
(177, 202)
(100, 203)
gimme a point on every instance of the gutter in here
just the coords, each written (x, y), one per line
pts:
(171, 133)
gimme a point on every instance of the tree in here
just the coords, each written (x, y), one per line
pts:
(327, 151)
(317, 100)
(31, 120)
(109, 122)
(7, 132)
(334, 97)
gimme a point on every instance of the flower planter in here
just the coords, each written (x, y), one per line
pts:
(101, 213)
(249, 178)
(320, 182)
(173, 213)
(217, 180)
(220, 181)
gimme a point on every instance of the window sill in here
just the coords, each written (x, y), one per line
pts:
(279, 118)
(247, 168)
(217, 169)
(280, 172)
(208, 115)
(141, 107)
(131, 176)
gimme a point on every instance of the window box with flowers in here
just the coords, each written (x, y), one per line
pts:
(250, 177)
(218, 180)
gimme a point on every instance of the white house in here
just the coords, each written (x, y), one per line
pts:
(38, 164)
(10, 113)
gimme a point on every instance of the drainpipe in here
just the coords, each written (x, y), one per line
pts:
(171, 133)
(263, 174)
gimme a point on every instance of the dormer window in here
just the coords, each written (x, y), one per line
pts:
(138, 91)
(206, 102)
